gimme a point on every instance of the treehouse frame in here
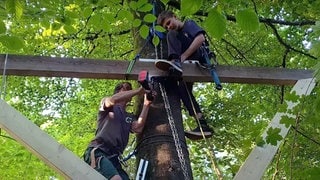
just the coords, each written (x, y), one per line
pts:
(72, 167)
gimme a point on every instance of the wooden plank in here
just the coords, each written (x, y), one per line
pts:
(22, 65)
(260, 157)
(44, 146)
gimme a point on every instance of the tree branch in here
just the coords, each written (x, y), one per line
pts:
(309, 138)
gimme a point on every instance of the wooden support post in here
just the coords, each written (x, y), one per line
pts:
(260, 157)
(44, 146)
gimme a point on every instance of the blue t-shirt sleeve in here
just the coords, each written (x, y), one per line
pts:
(192, 28)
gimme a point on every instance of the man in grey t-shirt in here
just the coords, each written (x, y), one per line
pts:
(113, 129)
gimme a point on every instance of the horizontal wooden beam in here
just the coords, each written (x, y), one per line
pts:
(21, 65)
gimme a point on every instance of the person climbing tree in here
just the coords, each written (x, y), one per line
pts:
(184, 43)
(113, 128)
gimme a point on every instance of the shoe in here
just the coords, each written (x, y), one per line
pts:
(196, 133)
(173, 72)
(177, 65)
(176, 69)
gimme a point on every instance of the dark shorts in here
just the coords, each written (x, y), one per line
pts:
(106, 165)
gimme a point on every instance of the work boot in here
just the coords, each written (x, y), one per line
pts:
(196, 133)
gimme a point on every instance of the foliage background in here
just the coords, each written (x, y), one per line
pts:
(242, 33)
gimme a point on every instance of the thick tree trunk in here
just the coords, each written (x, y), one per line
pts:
(157, 142)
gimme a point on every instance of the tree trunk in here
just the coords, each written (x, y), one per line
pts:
(157, 144)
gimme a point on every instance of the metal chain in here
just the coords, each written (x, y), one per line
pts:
(174, 133)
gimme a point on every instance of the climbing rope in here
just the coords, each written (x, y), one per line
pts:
(211, 155)
(174, 133)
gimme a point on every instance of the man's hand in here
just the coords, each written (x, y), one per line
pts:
(149, 97)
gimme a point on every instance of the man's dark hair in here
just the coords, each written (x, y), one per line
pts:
(163, 15)
(126, 85)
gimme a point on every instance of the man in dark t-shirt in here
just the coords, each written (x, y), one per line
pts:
(113, 129)
(184, 41)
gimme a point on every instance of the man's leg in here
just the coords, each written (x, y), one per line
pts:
(189, 101)
(97, 160)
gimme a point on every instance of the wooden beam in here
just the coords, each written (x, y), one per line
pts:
(44, 146)
(22, 65)
(260, 157)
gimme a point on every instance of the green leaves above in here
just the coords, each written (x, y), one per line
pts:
(215, 24)
(11, 42)
(189, 7)
(247, 20)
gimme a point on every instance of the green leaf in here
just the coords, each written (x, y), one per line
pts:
(140, 3)
(215, 24)
(159, 28)
(311, 173)
(71, 14)
(2, 27)
(315, 48)
(248, 20)
(123, 14)
(283, 107)
(87, 12)
(106, 26)
(273, 136)
(292, 96)
(94, 20)
(144, 31)
(189, 7)
(316, 27)
(145, 8)
(165, 1)
(14, 7)
(317, 71)
(155, 40)
(150, 18)
(136, 23)
(56, 26)
(260, 142)
(12, 42)
(133, 5)
(69, 29)
(287, 121)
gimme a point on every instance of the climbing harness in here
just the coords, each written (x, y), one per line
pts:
(174, 133)
(207, 55)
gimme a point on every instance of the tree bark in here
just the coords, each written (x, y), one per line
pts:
(156, 143)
